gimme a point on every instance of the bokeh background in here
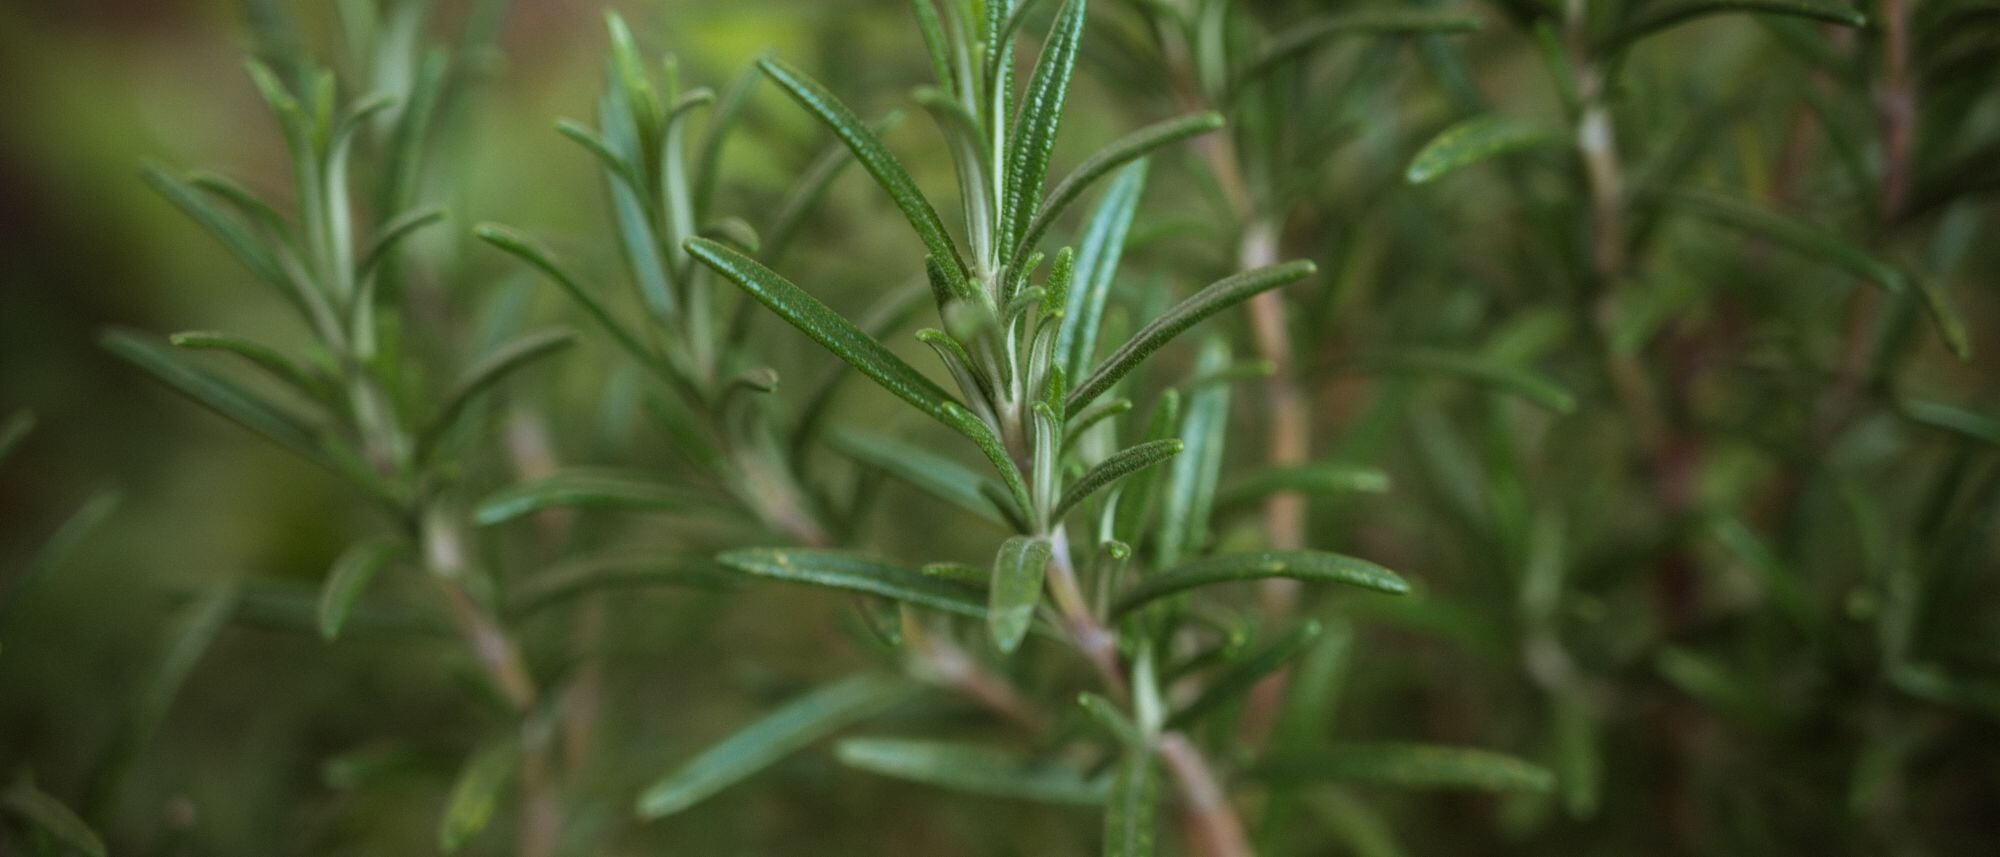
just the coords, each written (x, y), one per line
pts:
(1714, 725)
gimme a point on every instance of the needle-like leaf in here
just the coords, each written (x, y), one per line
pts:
(1311, 566)
(349, 577)
(1473, 140)
(1303, 37)
(855, 573)
(585, 488)
(1121, 464)
(875, 158)
(1215, 298)
(974, 769)
(1034, 134)
(1408, 765)
(48, 815)
(487, 373)
(793, 726)
(1122, 151)
(1129, 826)
(1655, 17)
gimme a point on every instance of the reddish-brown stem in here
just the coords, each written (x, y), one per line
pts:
(1097, 643)
(1898, 107)
(1213, 828)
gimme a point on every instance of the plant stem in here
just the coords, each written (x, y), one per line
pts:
(1097, 643)
(1215, 830)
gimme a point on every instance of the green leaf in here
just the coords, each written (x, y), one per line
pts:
(829, 329)
(42, 811)
(1473, 140)
(810, 187)
(1807, 239)
(1120, 465)
(971, 768)
(875, 158)
(199, 625)
(222, 396)
(1114, 721)
(1235, 683)
(54, 552)
(1961, 421)
(934, 474)
(582, 576)
(258, 354)
(792, 727)
(527, 251)
(1423, 766)
(1122, 151)
(584, 488)
(1478, 369)
(1188, 494)
(393, 233)
(476, 794)
(1302, 37)
(1329, 478)
(1306, 565)
(487, 373)
(1129, 826)
(349, 577)
(841, 570)
(1035, 126)
(1016, 589)
(867, 355)
(1100, 248)
(1215, 298)
(1659, 16)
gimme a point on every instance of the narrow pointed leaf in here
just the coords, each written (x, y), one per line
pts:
(875, 158)
(1120, 465)
(585, 488)
(1659, 16)
(1235, 682)
(854, 573)
(393, 233)
(1325, 478)
(791, 727)
(810, 188)
(1961, 421)
(218, 394)
(1122, 151)
(48, 815)
(1016, 589)
(1215, 298)
(258, 354)
(1482, 370)
(1408, 765)
(1473, 140)
(1035, 126)
(57, 550)
(829, 329)
(1807, 239)
(1306, 565)
(931, 473)
(527, 251)
(1099, 250)
(476, 794)
(348, 578)
(487, 373)
(973, 769)
(1304, 37)
(571, 579)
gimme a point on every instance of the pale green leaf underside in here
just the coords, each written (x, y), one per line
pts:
(790, 728)
(973, 769)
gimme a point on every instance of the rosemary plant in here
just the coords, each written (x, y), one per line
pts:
(1012, 347)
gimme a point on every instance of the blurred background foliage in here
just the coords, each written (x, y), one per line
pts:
(1751, 610)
